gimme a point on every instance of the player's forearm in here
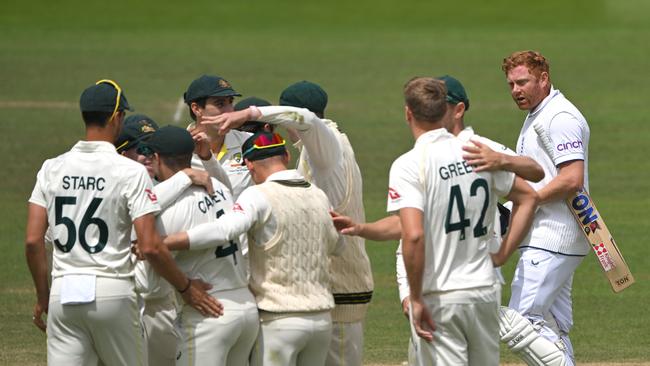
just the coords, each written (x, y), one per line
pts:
(213, 234)
(570, 179)
(524, 205)
(35, 250)
(558, 189)
(37, 263)
(413, 254)
(291, 117)
(388, 228)
(524, 167)
(168, 190)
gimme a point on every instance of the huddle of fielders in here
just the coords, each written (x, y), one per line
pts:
(162, 245)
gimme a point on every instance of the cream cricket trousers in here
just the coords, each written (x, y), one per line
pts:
(297, 339)
(106, 330)
(223, 341)
(346, 346)
(158, 320)
(467, 329)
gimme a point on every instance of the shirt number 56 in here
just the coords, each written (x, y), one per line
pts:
(86, 221)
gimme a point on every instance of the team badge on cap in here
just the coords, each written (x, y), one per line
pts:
(223, 83)
(147, 128)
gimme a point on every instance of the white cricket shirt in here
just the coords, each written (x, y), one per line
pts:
(92, 194)
(465, 135)
(458, 208)
(554, 229)
(219, 264)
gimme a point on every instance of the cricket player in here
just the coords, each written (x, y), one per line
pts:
(158, 301)
(226, 340)
(555, 246)
(327, 160)
(90, 197)
(210, 96)
(291, 236)
(446, 210)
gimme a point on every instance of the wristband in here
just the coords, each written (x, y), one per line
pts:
(189, 282)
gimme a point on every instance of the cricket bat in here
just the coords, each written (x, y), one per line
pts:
(593, 226)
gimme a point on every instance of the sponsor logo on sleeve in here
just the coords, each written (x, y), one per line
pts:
(152, 196)
(393, 195)
(570, 145)
(237, 207)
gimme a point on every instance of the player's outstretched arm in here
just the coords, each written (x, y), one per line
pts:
(482, 158)
(569, 179)
(193, 291)
(387, 228)
(37, 260)
(525, 201)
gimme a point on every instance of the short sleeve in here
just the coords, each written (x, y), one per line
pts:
(404, 187)
(139, 193)
(38, 193)
(566, 133)
(502, 182)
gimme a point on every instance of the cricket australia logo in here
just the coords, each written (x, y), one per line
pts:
(146, 127)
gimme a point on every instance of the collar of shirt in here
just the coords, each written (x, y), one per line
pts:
(433, 135)
(552, 94)
(284, 175)
(94, 146)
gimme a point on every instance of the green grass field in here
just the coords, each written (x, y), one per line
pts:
(362, 52)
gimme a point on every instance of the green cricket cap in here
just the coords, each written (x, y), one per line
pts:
(136, 128)
(305, 94)
(209, 86)
(263, 145)
(251, 126)
(102, 98)
(168, 141)
(247, 102)
(455, 91)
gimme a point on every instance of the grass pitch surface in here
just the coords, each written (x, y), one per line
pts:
(362, 52)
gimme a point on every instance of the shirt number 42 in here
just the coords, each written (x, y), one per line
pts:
(456, 200)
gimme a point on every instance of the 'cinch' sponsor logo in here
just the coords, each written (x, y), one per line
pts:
(569, 145)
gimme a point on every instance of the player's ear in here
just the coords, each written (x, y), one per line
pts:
(459, 110)
(408, 115)
(196, 110)
(544, 79)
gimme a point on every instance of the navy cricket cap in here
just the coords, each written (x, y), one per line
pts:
(209, 86)
(305, 94)
(455, 91)
(102, 97)
(168, 141)
(136, 128)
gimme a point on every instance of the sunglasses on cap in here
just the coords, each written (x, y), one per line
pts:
(265, 141)
(119, 94)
